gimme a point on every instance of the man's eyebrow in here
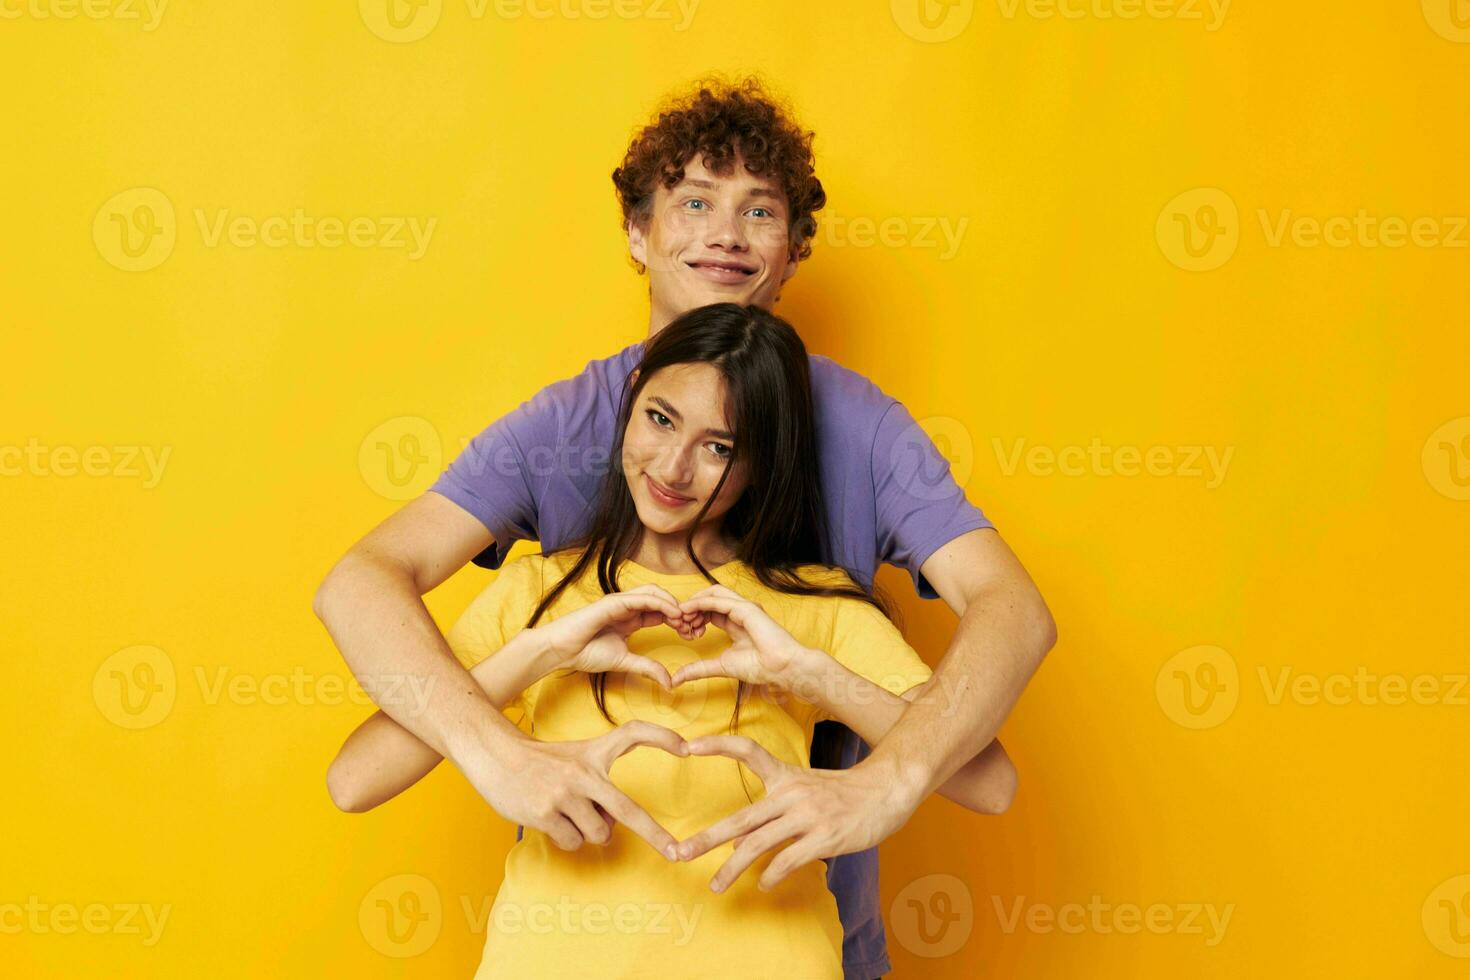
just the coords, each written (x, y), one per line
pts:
(711, 185)
(673, 413)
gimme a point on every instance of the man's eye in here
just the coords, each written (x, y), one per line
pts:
(696, 201)
(767, 213)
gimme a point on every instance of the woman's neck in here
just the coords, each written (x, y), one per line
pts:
(668, 555)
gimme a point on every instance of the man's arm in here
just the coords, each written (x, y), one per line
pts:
(1004, 632)
(381, 759)
(370, 604)
(985, 783)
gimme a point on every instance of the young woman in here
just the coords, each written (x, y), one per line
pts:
(712, 519)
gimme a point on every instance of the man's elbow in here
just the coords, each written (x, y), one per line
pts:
(1043, 626)
(999, 793)
(342, 788)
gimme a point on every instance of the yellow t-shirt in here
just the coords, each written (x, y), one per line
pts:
(623, 910)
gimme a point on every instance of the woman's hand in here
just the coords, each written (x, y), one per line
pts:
(760, 650)
(595, 638)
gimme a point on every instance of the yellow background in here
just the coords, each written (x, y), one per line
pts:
(1335, 541)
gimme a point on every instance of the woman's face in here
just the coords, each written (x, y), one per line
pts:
(677, 444)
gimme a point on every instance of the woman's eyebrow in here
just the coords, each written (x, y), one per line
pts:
(673, 413)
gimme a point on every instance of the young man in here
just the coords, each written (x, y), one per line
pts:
(718, 196)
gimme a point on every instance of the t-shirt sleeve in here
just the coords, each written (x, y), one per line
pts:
(494, 480)
(496, 615)
(919, 506)
(867, 643)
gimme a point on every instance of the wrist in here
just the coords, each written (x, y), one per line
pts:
(909, 781)
(542, 654)
(804, 672)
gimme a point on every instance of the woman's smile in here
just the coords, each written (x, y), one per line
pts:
(666, 497)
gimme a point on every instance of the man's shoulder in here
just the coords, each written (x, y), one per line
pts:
(836, 385)
(603, 374)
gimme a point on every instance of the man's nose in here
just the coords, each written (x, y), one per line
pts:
(727, 231)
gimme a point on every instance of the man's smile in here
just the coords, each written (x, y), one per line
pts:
(723, 270)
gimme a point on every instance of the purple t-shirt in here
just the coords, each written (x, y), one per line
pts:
(535, 473)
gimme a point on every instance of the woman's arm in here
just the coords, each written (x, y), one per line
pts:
(381, 758)
(985, 784)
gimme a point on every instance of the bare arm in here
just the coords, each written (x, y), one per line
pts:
(1005, 631)
(370, 604)
(985, 784)
(381, 758)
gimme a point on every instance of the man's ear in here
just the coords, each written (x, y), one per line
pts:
(637, 246)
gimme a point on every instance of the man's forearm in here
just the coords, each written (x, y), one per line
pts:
(997, 646)
(381, 759)
(985, 783)
(373, 611)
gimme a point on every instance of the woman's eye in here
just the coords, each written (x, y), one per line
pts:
(659, 418)
(720, 449)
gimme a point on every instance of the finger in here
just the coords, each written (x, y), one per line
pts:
(587, 820)
(563, 833)
(698, 670)
(767, 838)
(628, 736)
(737, 824)
(658, 590)
(752, 753)
(732, 607)
(636, 819)
(626, 603)
(646, 667)
(803, 852)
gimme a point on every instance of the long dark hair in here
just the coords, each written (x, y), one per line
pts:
(779, 521)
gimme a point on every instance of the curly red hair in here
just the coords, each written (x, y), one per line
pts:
(722, 120)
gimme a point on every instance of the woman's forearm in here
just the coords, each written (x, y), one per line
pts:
(985, 784)
(381, 758)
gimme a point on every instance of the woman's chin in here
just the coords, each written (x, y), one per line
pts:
(657, 519)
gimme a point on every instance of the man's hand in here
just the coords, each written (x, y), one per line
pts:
(563, 790)
(823, 813)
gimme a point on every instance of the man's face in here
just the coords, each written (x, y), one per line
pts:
(713, 239)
